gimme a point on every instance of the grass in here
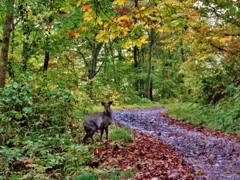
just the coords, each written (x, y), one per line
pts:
(121, 134)
(216, 118)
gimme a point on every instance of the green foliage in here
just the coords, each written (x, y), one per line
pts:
(26, 103)
(117, 174)
(35, 120)
(225, 116)
(114, 174)
(87, 177)
(41, 153)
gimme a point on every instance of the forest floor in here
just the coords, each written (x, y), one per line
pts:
(165, 148)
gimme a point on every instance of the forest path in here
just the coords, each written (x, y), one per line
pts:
(213, 155)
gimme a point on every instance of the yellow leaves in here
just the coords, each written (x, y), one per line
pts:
(201, 172)
(102, 36)
(119, 2)
(87, 16)
(136, 13)
(140, 41)
(124, 20)
(143, 39)
(124, 31)
(160, 30)
(26, 9)
(99, 21)
(190, 175)
(191, 14)
(84, 28)
(127, 43)
(149, 10)
(225, 39)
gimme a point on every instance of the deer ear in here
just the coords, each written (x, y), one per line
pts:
(102, 103)
(110, 102)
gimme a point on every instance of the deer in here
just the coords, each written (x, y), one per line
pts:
(99, 121)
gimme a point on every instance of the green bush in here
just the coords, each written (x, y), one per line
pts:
(25, 104)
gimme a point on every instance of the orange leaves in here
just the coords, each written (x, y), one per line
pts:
(48, 25)
(122, 11)
(124, 21)
(73, 34)
(87, 7)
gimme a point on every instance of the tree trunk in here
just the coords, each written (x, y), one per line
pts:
(149, 78)
(92, 71)
(46, 60)
(47, 53)
(26, 34)
(5, 43)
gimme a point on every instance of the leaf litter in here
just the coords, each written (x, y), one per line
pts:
(165, 148)
(147, 157)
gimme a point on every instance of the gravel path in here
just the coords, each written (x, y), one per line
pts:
(213, 157)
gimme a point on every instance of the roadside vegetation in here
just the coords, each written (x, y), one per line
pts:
(225, 116)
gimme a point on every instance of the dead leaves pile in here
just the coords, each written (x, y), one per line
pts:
(147, 157)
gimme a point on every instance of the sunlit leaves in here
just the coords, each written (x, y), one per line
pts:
(102, 36)
(140, 41)
(119, 2)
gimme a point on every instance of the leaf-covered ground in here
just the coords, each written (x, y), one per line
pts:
(147, 157)
(165, 148)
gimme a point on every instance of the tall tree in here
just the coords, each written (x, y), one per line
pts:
(7, 28)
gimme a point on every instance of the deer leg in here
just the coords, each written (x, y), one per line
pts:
(102, 130)
(85, 138)
(89, 134)
(106, 130)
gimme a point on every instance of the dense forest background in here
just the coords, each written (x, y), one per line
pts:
(60, 58)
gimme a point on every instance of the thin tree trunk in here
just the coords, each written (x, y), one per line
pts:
(5, 43)
(92, 72)
(47, 53)
(26, 34)
(149, 78)
(46, 60)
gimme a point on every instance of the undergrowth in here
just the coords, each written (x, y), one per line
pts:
(224, 117)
